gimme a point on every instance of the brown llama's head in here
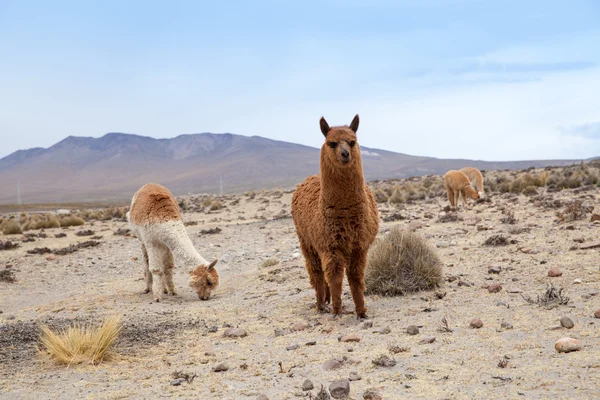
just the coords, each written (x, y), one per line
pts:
(472, 193)
(204, 279)
(340, 147)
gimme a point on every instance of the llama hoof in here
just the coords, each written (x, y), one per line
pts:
(337, 316)
(362, 317)
(147, 291)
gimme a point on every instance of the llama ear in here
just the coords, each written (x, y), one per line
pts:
(324, 126)
(211, 266)
(354, 124)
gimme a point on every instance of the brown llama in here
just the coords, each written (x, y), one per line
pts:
(336, 220)
(457, 183)
(475, 177)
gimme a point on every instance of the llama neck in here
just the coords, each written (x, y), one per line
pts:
(341, 187)
(181, 245)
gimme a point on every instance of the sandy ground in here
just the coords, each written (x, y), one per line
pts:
(275, 306)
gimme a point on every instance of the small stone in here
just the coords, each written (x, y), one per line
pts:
(176, 382)
(554, 272)
(384, 361)
(443, 244)
(307, 385)
(235, 333)
(299, 326)
(567, 322)
(340, 389)
(332, 364)
(577, 281)
(372, 394)
(366, 324)
(526, 250)
(476, 323)
(597, 314)
(350, 338)
(595, 217)
(295, 254)
(567, 345)
(262, 397)
(292, 347)
(51, 257)
(282, 332)
(311, 343)
(213, 329)
(412, 330)
(427, 340)
(579, 239)
(494, 288)
(514, 290)
(590, 245)
(506, 325)
(494, 270)
(354, 376)
(220, 367)
(383, 331)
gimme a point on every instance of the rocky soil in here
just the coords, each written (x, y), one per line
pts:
(488, 332)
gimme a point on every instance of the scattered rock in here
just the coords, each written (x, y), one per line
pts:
(235, 333)
(595, 217)
(506, 325)
(494, 270)
(282, 332)
(383, 331)
(349, 338)
(384, 361)
(299, 326)
(340, 389)
(262, 397)
(292, 347)
(311, 343)
(51, 257)
(494, 288)
(443, 244)
(307, 385)
(476, 323)
(554, 272)
(567, 345)
(579, 239)
(372, 394)
(577, 281)
(597, 314)
(176, 382)
(366, 324)
(427, 340)
(412, 330)
(220, 367)
(567, 322)
(514, 290)
(354, 376)
(590, 245)
(333, 364)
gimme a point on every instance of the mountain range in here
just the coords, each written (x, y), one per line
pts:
(111, 168)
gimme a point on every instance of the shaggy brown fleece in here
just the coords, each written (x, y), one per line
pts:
(457, 183)
(336, 220)
(153, 203)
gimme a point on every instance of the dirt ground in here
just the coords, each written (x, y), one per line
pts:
(287, 341)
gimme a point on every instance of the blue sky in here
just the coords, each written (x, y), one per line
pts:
(493, 80)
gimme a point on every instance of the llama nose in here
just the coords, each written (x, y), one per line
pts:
(345, 155)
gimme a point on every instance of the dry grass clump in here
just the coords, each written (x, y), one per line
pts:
(530, 191)
(103, 214)
(216, 205)
(496, 240)
(8, 245)
(7, 275)
(449, 217)
(270, 262)
(39, 221)
(380, 196)
(550, 298)
(402, 262)
(11, 227)
(509, 218)
(80, 343)
(574, 210)
(71, 221)
(397, 196)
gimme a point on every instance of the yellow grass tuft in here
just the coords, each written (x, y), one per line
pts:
(79, 343)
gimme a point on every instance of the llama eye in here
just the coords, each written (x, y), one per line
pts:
(333, 145)
(352, 143)
(209, 283)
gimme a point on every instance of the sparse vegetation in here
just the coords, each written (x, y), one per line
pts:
(216, 205)
(573, 211)
(7, 275)
(400, 263)
(270, 262)
(496, 240)
(71, 221)
(509, 218)
(81, 343)
(8, 245)
(449, 217)
(550, 298)
(11, 227)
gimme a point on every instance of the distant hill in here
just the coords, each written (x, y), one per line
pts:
(111, 168)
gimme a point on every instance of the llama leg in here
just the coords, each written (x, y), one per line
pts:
(356, 279)
(456, 195)
(334, 274)
(156, 268)
(169, 265)
(317, 278)
(450, 194)
(147, 273)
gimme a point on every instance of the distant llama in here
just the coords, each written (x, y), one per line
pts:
(154, 217)
(336, 220)
(457, 183)
(476, 177)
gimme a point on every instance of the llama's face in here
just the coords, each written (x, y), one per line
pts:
(204, 279)
(340, 142)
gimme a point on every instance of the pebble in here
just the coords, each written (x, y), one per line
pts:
(427, 340)
(506, 325)
(577, 281)
(494, 288)
(349, 338)
(307, 385)
(476, 323)
(176, 382)
(51, 257)
(443, 244)
(299, 326)
(366, 324)
(494, 270)
(282, 332)
(354, 376)
(372, 394)
(567, 344)
(340, 389)
(579, 239)
(262, 397)
(311, 343)
(554, 272)
(383, 331)
(220, 367)
(295, 255)
(412, 330)
(292, 347)
(235, 333)
(514, 290)
(567, 322)
(332, 364)
(597, 314)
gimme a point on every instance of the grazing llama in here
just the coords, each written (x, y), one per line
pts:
(457, 183)
(336, 220)
(475, 176)
(155, 219)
